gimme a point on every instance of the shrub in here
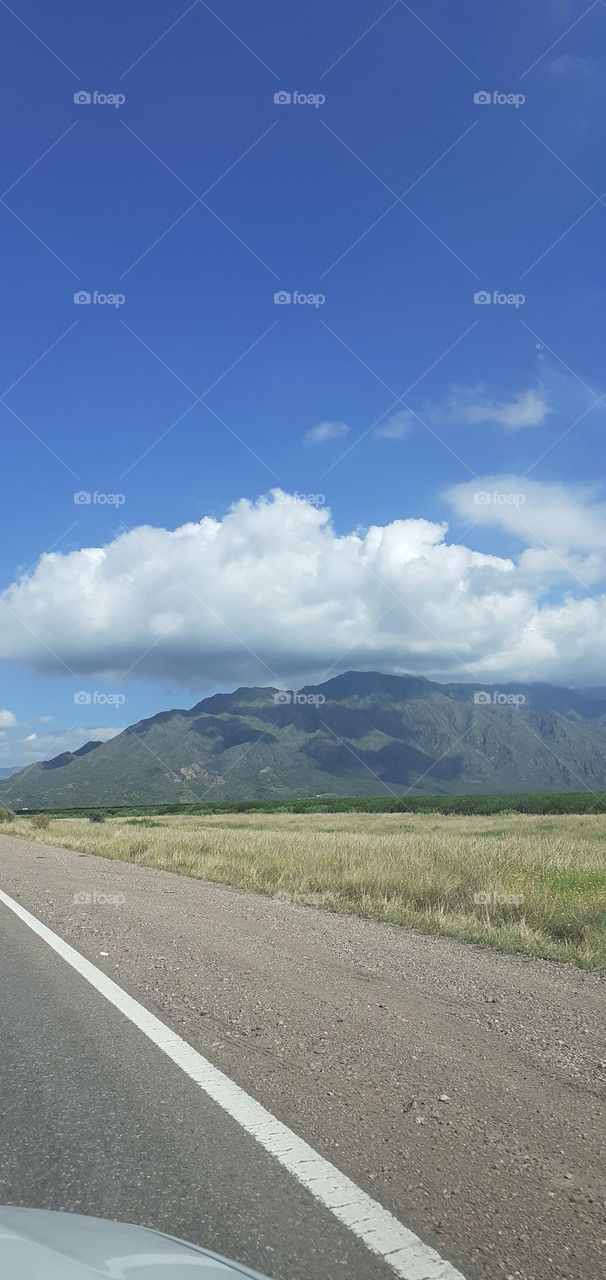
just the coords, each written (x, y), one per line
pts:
(96, 817)
(7, 815)
(41, 820)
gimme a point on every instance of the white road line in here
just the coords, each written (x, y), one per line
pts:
(380, 1231)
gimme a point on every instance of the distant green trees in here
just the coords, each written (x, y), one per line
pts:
(574, 802)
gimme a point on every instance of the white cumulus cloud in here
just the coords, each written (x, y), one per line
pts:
(550, 515)
(18, 749)
(271, 594)
(325, 431)
(474, 406)
(397, 427)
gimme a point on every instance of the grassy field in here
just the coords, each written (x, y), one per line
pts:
(535, 885)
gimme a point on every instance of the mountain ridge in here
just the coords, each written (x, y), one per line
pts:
(358, 733)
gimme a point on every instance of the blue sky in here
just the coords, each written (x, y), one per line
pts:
(392, 197)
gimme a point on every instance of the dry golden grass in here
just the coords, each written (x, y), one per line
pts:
(516, 882)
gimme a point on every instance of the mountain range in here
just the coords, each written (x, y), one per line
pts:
(362, 733)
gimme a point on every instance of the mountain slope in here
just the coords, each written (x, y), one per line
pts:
(361, 733)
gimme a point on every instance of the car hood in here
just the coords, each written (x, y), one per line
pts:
(37, 1244)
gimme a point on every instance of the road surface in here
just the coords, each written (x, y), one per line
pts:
(460, 1090)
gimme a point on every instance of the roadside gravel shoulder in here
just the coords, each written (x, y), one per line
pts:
(462, 1088)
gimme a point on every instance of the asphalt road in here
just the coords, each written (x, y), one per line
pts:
(462, 1090)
